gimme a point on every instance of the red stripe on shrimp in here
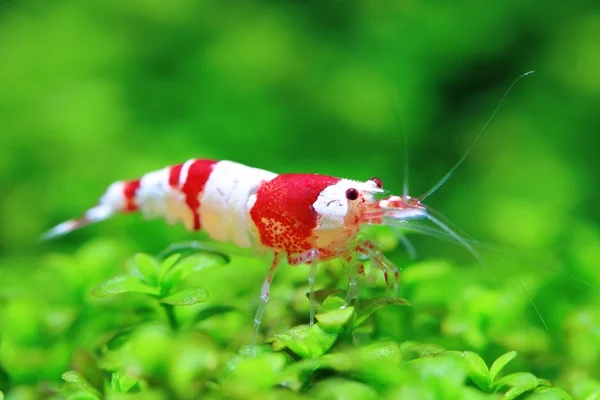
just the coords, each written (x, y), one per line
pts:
(174, 173)
(129, 191)
(198, 173)
(283, 213)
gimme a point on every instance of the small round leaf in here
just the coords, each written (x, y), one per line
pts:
(186, 297)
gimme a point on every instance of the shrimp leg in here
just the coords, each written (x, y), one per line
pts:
(348, 261)
(368, 249)
(264, 298)
(309, 257)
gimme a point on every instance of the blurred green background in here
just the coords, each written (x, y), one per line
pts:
(96, 91)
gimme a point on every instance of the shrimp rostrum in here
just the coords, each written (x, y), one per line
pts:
(303, 218)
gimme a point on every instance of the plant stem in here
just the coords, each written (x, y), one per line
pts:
(170, 311)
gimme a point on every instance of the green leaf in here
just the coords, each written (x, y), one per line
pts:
(476, 368)
(518, 379)
(337, 388)
(335, 319)
(186, 297)
(306, 341)
(387, 350)
(544, 382)
(337, 361)
(411, 350)
(332, 303)
(167, 264)
(321, 295)
(185, 249)
(75, 379)
(244, 374)
(212, 311)
(298, 374)
(294, 339)
(519, 383)
(362, 361)
(115, 384)
(515, 392)
(188, 265)
(256, 350)
(122, 383)
(148, 266)
(444, 370)
(119, 338)
(555, 392)
(370, 306)
(500, 363)
(123, 284)
(86, 365)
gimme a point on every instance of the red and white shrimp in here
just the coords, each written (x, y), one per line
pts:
(305, 218)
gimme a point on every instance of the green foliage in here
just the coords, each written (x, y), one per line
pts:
(149, 346)
(161, 280)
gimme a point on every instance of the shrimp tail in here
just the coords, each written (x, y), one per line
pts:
(118, 198)
(94, 214)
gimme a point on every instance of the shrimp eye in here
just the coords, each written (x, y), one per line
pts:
(352, 194)
(377, 182)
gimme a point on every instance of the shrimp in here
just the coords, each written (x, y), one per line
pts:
(303, 218)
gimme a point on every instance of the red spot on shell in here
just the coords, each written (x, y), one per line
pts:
(197, 176)
(283, 212)
(129, 190)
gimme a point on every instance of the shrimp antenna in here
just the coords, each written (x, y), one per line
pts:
(402, 131)
(485, 127)
(465, 242)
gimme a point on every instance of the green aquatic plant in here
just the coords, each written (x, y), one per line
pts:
(157, 327)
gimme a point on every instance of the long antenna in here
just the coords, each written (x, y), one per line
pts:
(471, 249)
(485, 127)
(400, 127)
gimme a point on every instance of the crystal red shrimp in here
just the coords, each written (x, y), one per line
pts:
(305, 218)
